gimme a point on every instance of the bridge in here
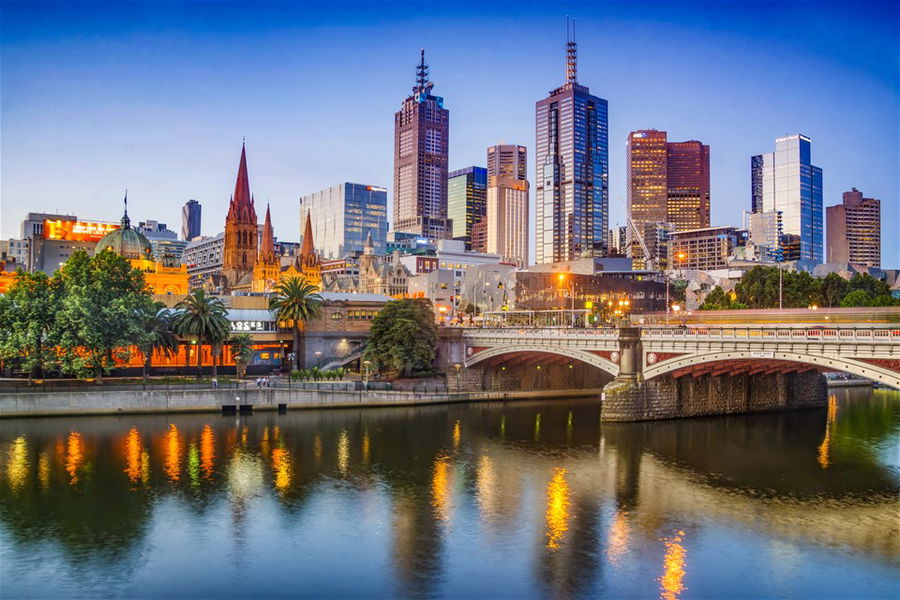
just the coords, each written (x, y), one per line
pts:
(763, 345)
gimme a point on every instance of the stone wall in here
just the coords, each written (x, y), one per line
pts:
(627, 399)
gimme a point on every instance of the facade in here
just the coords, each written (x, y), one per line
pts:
(764, 234)
(163, 241)
(190, 220)
(343, 215)
(854, 230)
(507, 160)
(507, 220)
(466, 196)
(787, 181)
(15, 251)
(306, 264)
(267, 270)
(668, 182)
(571, 170)
(421, 150)
(52, 238)
(704, 249)
(385, 275)
(203, 257)
(616, 240)
(479, 236)
(241, 233)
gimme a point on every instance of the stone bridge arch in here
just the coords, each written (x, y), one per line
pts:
(874, 372)
(583, 356)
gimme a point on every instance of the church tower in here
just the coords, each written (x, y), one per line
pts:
(240, 252)
(268, 267)
(308, 261)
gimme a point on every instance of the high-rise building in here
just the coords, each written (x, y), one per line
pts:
(765, 233)
(616, 239)
(572, 170)
(190, 220)
(668, 182)
(854, 230)
(343, 215)
(705, 249)
(507, 160)
(507, 204)
(421, 149)
(787, 181)
(241, 232)
(466, 195)
(164, 241)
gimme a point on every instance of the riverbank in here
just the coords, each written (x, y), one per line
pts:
(75, 403)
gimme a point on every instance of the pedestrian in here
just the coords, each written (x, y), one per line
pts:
(215, 383)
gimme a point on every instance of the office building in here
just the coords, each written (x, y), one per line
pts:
(765, 234)
(616, 239)
(165, 242)
(15, 251)
(53, 238)
(466, 196)
(190, 220)
(854, 230)
(668, 182)
(571, 170)
(705, 249)
(421, 148)
(507, 224)
(203, 257)
(479, 236)
(343, 215)
(787, 181)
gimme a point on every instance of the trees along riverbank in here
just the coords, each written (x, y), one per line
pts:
(403, 337)
(759, 286)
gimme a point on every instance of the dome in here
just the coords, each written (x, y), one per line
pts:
(126, 241)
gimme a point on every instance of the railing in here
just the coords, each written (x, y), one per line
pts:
(756, 334)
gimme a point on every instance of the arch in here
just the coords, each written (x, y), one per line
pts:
(849, 365)
(579, 355)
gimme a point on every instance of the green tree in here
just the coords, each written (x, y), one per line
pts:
(100, 315)
(159, 337)
(295, 303)
(857, 298)
(403, 336)
(242, 351)
(864, 281)
(833, 288)
(27, 320)
(203, 318)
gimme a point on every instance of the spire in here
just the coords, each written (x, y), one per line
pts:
(421, 73)
(241, 201)
(369, 246)
(307, 249)
(267, 244)
(571, 52)
(126, 222)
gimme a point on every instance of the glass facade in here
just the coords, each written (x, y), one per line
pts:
(466, 195)
(572, 174)
(343, 215)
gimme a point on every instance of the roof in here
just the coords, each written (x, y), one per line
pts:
(348, 297)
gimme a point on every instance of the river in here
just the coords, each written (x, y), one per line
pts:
(500, 500)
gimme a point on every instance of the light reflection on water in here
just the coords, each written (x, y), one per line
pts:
(515, 500)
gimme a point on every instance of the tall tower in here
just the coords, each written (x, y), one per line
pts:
(572, 169)
(239, 254)
(507, 204)
(268, 265)
(421, 149)
(190, 220)
(307, 261)
(854, 230)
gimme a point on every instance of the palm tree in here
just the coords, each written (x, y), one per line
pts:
(295, 303)
(157, 325)
(242, 351)
(203, 317)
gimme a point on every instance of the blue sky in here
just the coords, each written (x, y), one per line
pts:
(156, 96)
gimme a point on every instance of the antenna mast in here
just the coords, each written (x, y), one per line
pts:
(571, 52)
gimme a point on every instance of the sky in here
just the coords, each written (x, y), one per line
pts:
(156, 97)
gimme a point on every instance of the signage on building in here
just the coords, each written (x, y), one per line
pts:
(77, 231)
(248, 325)
(762, 354)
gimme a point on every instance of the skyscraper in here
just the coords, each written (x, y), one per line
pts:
(344, 214)
(572, 170)
(241, 231)
(854, 230)
(668, 182)
(507, 204)
(466, 195)
(787, 181)
(190, 220)
(421, 134)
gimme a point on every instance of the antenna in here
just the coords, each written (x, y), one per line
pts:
(571, 52)
(421, 72)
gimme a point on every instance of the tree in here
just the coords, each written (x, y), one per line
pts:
(864, 281)
(857, 298)
(403, 336)
(204, 318)
(157, 324)
(102, 299)
(242, 351)
(27, 319)
(832, 289)
(296, 303)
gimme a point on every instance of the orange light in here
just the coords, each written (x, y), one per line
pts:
(77, 231)
(561, 277)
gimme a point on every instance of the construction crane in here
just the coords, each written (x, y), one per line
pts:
(648, 260)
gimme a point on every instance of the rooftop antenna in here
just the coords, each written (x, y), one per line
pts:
(571, 52)
(421, 72)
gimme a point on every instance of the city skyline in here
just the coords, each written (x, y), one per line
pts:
(75, 149)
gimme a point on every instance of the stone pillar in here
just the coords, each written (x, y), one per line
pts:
(631, 356)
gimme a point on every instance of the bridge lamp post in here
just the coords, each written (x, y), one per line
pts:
(562, 279)
(366, 364)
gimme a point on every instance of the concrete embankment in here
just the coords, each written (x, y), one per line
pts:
(61, 403)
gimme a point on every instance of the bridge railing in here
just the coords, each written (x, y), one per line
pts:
(875, 334)
(591, 332)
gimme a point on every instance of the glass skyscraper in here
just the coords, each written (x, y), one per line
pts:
(190, 220)
(572, 170)
(466, 194)
(342, 215)
(787, 181)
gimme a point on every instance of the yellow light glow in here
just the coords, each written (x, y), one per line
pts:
(17, 467)
(440, 488)
(317, 449)
(456, 435)
(133, 455)
(557, 508)
(173, 454)
(824, 455)
(343, 453)
(619, 532)
(672, 580)
(486, 487)
(281, 466)
(365, 448)
(207, 451)
(74, 456)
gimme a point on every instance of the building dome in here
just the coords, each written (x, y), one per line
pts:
(125, 241)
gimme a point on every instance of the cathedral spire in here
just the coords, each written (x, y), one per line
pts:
(241, 201)
(267, 244)
(308, 248)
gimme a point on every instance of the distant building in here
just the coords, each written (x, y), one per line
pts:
(15, 251)
(203, 257)
(421, 149)
(241, 233)
(787, 181)
(164, 241)
(571, 170)
(479, 236)
(616, 241)
(704, 249)
(53, 238)
(190, 220)
(466, 197)
(854, 230)
(765, 234)
(507, 224)
(507, 160)
(344, 215)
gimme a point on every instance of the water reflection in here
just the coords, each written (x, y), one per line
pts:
(535, 496)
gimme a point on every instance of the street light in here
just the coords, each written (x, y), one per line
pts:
(678, 258)
(366, 364)
(562, 278)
